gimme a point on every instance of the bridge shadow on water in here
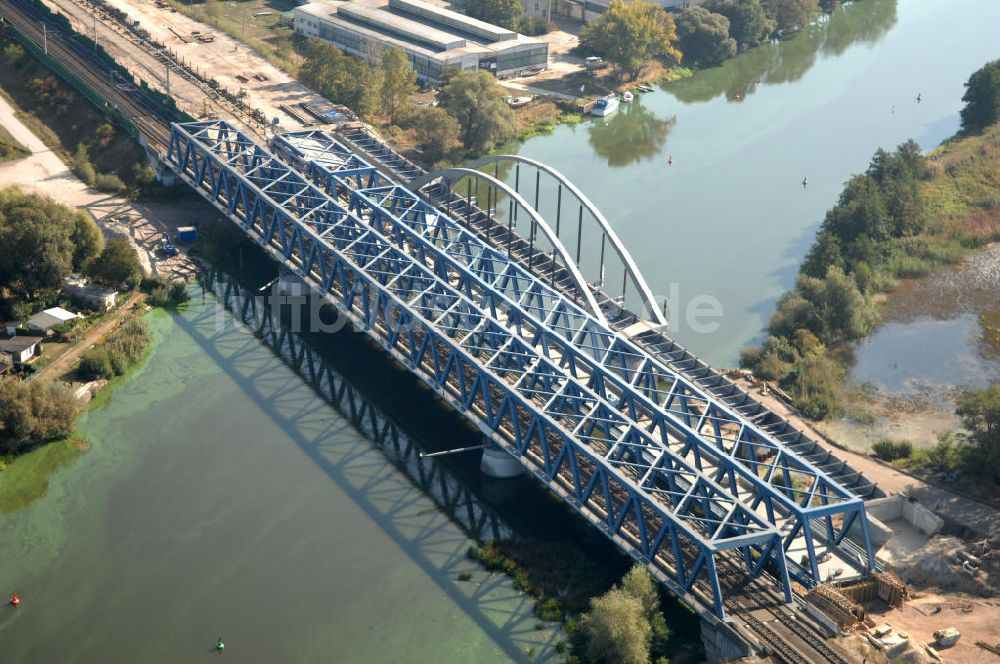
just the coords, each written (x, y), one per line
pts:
(416, 501)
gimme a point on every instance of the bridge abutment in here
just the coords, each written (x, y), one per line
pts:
(722, 641)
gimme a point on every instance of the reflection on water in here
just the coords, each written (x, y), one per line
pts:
(860, 22)
(903, 358)
(730, 219)
(632, 134)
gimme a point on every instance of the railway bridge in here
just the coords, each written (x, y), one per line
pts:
(472, 280)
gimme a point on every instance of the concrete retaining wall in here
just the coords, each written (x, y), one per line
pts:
(909, 509)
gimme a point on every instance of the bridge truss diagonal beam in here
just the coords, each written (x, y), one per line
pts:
(765, 473)
(664, 511)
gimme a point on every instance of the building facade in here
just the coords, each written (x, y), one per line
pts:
(434, 38)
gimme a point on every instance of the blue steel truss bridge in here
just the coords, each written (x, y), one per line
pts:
(675, 476)
(500, 292)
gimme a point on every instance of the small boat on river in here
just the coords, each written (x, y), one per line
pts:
(627, 96)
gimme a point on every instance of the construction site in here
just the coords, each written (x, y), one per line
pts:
(935, 592)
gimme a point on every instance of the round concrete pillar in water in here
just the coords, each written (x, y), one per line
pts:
(498, 463)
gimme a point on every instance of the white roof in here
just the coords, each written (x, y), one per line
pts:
(50, 318)
(60, 313)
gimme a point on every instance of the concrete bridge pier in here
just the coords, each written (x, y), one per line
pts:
(498, 463)
(722, 642)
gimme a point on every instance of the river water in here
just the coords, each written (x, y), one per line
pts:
(223, 497)
(730, 218)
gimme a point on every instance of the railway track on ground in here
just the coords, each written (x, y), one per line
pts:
(91, 71)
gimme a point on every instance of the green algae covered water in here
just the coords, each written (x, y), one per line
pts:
(222, 497)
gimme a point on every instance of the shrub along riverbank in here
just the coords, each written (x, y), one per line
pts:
(905, 216)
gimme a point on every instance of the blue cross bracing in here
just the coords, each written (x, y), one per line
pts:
(671, 475)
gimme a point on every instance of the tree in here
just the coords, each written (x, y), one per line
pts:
(498, 12)
(791, 14)
(617, 630)
(87, 241)
(116, 265)
(398, 83)
(704, 36)
(980, 413)
(630, 34)
(476, 100)
(339, 77)
(437, 134)
(36, 250)
(982, 98)
(33, 412)
(748, 23)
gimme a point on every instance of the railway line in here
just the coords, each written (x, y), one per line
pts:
(152, 122)
(79, 62)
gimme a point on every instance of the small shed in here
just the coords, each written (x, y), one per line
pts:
(20, 349)
(91, 295)
(46, 320)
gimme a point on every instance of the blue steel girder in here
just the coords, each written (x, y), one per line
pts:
(442, 335)
(637, 383)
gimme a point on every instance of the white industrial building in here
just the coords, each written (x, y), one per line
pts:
(433, 37)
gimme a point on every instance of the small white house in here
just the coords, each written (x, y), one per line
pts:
(91, 295)
(20, 349)
(46, 320)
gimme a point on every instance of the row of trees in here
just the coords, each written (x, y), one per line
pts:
(44, 242)
(874, 235)
(860, 248)
(472, 112)
(630, 34)
(385, 83)
(506, 14)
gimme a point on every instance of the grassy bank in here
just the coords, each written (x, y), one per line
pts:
(10, 149)
(905, 217)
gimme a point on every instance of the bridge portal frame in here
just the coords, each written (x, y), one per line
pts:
(673, 517)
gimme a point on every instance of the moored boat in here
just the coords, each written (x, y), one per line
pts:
(604, 106)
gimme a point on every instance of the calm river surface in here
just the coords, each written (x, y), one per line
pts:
(223, 497)
(730, 218)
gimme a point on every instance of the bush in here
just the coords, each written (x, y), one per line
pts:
(32, 413)
(892, 450)
(164, 293)
(81, 166)
(95, 364)
(533, 26)
(109, 183)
